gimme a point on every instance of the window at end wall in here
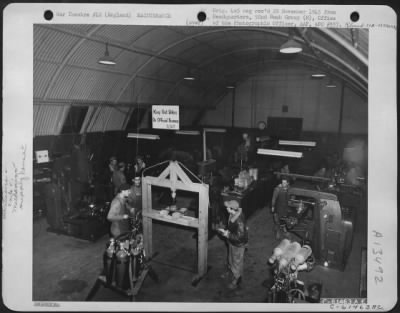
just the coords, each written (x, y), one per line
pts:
(74, 120)
(135, 119)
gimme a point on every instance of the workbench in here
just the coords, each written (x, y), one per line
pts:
(174, 178)
(257, 195)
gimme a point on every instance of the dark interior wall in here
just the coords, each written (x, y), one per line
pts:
(102, 145)
(291, 95)
(115, 143)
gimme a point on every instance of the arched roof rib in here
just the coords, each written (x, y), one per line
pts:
(152, 60)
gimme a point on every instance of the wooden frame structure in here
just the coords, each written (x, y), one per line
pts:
(174, 178)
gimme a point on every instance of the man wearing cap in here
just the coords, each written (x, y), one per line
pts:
(118, 177)
(118, 214)
(279, 203)
(139, 166)
(237, 236)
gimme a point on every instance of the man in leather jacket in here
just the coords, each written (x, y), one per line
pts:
(237, 236)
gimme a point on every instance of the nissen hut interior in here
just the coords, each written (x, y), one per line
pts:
(199, 164)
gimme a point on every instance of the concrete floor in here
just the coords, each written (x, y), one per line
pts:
(66, 268)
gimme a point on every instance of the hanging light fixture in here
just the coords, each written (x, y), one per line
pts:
(143, 136)
(291, 46)
(106, 59)
(189, 75)
(214, 130)
(318, 74)
(297, 143)
(283, 153)
(330, 84)
(188, 132)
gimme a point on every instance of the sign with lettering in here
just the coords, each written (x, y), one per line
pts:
(42, 156)
(165, 116)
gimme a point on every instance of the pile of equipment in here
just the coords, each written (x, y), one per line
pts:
(288, 259)
(88, 223)
(123, 261)
(125, 265)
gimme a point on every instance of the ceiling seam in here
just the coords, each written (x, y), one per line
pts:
(304, 54)
(278, 33)
(176, 44)
(66, 59)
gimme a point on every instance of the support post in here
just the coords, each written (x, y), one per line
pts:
(203, 232)
(178, 180)
(204, 145)
(147, 222)
(339, 134)
(233, 106)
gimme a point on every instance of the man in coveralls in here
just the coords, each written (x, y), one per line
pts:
(119, 213)
(279, 204)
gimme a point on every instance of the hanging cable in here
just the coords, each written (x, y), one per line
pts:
(190, 172)
(153, 166)
(137, 120)
(167, 161)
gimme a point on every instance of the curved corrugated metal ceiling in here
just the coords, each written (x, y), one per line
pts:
(152, 60)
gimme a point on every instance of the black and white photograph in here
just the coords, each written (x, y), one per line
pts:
(218, 163)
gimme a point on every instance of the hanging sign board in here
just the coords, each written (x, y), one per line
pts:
(165, 116)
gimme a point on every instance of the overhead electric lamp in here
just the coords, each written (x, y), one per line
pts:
(330, 84)
(230, 87)
(143, 136)
(297, 143)
(188, 132)
(283, 153)
(291, 46)
(318, 75)
(189, 76)
(106, 59)
(215, 130)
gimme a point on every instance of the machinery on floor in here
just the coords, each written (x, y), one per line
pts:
(287, 260)
(125, 265)
(317, 215)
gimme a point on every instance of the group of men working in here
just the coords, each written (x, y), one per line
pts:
(127, 204)
(127, 201)
(119, 174)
